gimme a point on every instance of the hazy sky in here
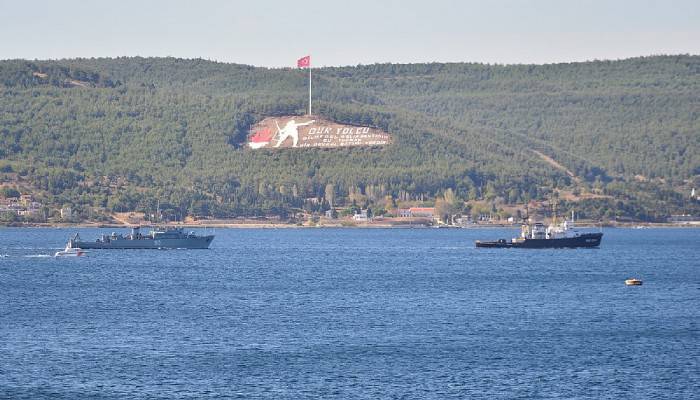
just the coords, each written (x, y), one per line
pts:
(350, 32)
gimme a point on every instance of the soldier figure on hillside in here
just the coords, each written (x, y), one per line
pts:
(290, 129)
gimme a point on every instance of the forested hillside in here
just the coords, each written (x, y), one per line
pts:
(620, 138)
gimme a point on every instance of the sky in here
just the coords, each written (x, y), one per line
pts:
(351, 32)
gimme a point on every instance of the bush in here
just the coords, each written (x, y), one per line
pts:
(9, 192)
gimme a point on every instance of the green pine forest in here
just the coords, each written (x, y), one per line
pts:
(131, 134)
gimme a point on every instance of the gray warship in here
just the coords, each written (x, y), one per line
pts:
(537, 236)
(157, 238)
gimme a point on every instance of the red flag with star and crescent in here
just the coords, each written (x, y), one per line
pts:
(304, 62)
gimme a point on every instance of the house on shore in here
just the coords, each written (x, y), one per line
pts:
(362, 216)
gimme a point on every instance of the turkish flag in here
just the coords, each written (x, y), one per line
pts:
(304, 62)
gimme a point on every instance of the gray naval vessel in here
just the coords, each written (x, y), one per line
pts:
(158, 238)
(537, 236)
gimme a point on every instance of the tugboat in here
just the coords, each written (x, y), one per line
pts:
(158, 238)
(537, 236)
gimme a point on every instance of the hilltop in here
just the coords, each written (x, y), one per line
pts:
(610, 138)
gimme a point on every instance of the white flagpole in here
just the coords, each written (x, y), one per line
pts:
(309, 86)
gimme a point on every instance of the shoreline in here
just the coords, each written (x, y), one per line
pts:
(334, 226)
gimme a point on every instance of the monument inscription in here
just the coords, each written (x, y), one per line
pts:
(311, 131)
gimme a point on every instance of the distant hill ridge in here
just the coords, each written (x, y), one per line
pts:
(172, 129)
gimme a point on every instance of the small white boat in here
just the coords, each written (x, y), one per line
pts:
(633, 282)
(71, 252)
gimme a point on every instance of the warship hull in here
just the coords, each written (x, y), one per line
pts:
(159, 238)
(199, 242)
(584, 240)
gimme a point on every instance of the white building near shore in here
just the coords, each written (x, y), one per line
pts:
(362, 216)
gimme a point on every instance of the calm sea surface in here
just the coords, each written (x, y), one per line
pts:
(351, 313)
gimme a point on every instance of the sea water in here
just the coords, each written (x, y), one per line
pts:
(351, 313)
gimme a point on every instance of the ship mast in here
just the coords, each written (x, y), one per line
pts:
(527, 213)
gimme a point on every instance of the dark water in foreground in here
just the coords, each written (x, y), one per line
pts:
(351, 313)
